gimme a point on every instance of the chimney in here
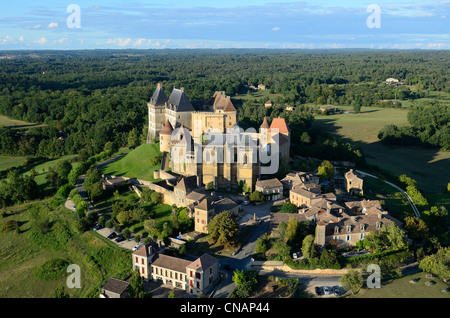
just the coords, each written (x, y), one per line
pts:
(353, 218)
(380, 216)
(182, 89)
(328, 208)
(159, 85)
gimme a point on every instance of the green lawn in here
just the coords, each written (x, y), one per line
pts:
(428, 166)
(21, 254)
(136, 164)
(9, 162)
(402, 288)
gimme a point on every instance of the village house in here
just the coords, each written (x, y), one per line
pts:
(207, 209)
(296, 179)
(271, 188)
(268, 104)
(353, 183)
(346, 225)
(193, 277)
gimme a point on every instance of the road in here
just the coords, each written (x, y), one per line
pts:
(413, 206)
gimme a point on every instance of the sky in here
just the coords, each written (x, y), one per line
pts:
(143, 24)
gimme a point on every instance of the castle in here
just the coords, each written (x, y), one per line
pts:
(209, 144)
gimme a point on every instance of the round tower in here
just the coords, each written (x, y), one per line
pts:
(165, 136)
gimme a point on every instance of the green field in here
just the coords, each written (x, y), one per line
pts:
(402, 288)
(136, 164)
(17, 124)
(9, 162)
(428, 166)
(21, 253)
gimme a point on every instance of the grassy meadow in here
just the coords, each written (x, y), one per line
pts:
(16, 124)
(24, 251)
(428, 166)
(136, 164)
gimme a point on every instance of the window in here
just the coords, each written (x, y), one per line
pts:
(137, 260)
(349, 237)
(198, 285)
(192, 274)
(142, 261)
(361, 236)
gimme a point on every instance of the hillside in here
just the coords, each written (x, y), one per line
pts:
(136, 164)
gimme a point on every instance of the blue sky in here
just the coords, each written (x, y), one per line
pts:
(224, 24)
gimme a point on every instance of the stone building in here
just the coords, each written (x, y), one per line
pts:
(207, 142)
(353, 183)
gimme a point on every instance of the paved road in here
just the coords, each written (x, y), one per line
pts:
(413, 206)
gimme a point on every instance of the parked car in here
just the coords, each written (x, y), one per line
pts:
(120, 238)
(112, 235)
(336, 290)
(246, 202)
(327, 290)
(319, 291)
(137, 247)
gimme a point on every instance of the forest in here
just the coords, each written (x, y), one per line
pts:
(89, 98)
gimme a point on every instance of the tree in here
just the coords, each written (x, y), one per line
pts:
(438, 264)
(325, 170)
(136, 288)
(291, 230)
(125, 217)
(256, 196)
(351, 281)
(417, 229)
(222, 228)
(133, 138)
(308, 248)
(289, 207)
(127, 233)
(210, 186)
(395, 236)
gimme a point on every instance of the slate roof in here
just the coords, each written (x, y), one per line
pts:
(146, 250)
(180, 101)
(269, 183)
(187, 184)
(159, 98)
(115, 285)
(170, 262)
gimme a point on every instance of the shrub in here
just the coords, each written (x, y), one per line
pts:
(10, 225)
(52, 269)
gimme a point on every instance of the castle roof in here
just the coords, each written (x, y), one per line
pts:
(180, 101)
(187, 183)
(159, 98)
(222, 102)
(280, 124)
(167, 129)
(265, 123)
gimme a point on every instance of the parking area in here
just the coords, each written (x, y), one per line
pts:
(128, 244)
(325, 291)
(160, 290)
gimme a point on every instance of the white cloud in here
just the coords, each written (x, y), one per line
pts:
(139, 42)
(21, 38)
(119, 42)
(38, 26)
(52, 25)
(42, 40)
(275, 28)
